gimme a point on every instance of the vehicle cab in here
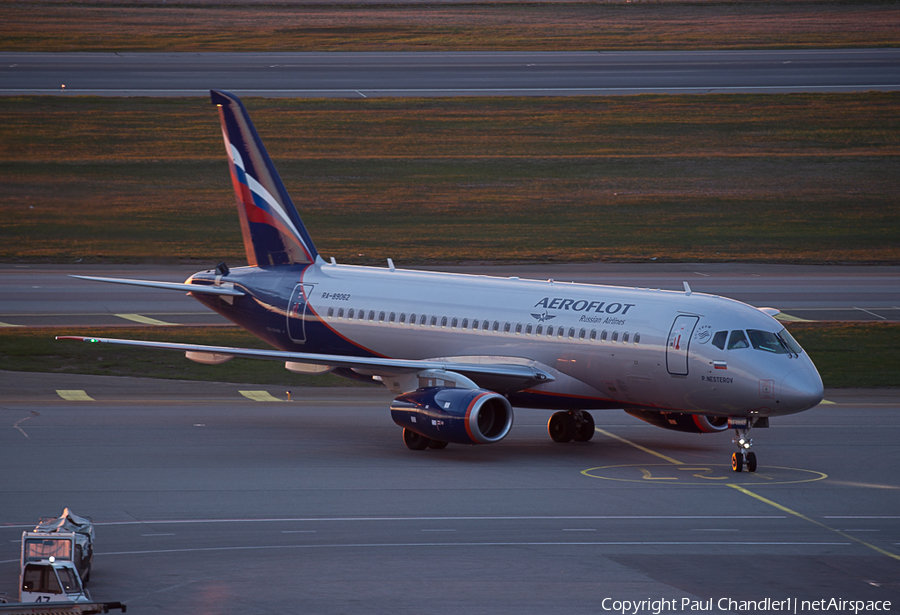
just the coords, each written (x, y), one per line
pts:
(52, 580)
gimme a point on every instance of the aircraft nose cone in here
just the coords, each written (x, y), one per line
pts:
(801, 389)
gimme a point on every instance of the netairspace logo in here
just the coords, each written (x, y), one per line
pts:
(787, 605)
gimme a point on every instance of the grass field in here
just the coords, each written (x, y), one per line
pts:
(769, 178)
(224, 25)
(847, 355)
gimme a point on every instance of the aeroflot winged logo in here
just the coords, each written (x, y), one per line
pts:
(582, 305)
(544, 316)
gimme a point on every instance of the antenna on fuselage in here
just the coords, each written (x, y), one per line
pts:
(687, 289)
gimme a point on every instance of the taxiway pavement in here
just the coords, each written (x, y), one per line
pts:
(368, 74)
(208, 501)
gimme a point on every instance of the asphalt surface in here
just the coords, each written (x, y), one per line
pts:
(367, 74)
(208, 502)
(44, 295)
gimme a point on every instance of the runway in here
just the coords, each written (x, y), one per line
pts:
(418, 74)
(44, 295)
(208, 502)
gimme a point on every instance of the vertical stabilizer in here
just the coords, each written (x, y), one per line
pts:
(273, 231)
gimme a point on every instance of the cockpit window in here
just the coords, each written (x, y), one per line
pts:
(769, 342)
(737, 340)
(789, 341)
(719, 339)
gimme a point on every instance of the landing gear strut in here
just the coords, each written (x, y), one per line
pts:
(743, 441)
(576, 425)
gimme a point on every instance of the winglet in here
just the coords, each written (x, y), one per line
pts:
(273, 232)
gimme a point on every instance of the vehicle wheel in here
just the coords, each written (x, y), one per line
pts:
(437, 444)
(561, 427)
(585, 430)
(737, 462)
(414, 441)
(751, 461)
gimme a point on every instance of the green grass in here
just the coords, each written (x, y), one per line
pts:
(847, 355)
(207, 25)
(767, 178)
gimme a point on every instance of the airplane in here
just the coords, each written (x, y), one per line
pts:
(460, 351)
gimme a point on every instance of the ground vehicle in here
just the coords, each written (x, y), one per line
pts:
(56, 559)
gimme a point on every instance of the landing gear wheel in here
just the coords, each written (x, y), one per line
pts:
(561, 427)
(585, 430)
(414, 441)
(737, 462)
(751, 461)
(437, 444)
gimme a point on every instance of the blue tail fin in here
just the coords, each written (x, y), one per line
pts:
(273, 231)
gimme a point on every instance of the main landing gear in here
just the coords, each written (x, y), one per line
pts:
(576, 425)
(743, 442)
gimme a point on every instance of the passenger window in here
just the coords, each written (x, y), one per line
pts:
(393, 317)
(371, 315)
(719, 339)
(593, 335)
(737, 340)
(474, 324)
(527, 329)
(381, 317)
(402, 318)
(350, 314)
(625, 337)
(518, 328)
(581, 334)
(330, 312)
(561, 331)
(571, 334)
(434, 321)
(341, 313)
(486, 326)
(443, 322)
(496, 326)
(615, 337)
(550, 331)
(539, 330)
(423, 320)
(637, 338)
(506, 328)
(603, 336)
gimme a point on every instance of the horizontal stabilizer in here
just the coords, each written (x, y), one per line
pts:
(188, 288)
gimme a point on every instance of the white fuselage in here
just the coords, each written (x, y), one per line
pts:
(607, 346)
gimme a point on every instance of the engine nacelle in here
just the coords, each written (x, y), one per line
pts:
(461, 416)
(679, 421)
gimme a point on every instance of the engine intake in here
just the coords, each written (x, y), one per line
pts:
(461, 416)
(679, 421)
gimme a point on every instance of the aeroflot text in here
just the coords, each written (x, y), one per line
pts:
(582, 305)
(788, 605)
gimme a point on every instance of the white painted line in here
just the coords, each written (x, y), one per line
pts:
(870, 313)
(6, 324)
(74, 395)
(392, 545)
(157, 534)
(259, 395)
(144, 320)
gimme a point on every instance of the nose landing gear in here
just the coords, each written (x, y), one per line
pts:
(743, 441)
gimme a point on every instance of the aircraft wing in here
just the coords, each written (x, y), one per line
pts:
(224, 289)
(507, 377)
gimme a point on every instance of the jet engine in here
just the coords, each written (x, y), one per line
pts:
(679, 421)
(461, 416)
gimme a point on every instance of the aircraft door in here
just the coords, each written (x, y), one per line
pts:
(677, 347)
(297, 311)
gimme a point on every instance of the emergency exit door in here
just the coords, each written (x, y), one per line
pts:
(679, 342)
(297, 312)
